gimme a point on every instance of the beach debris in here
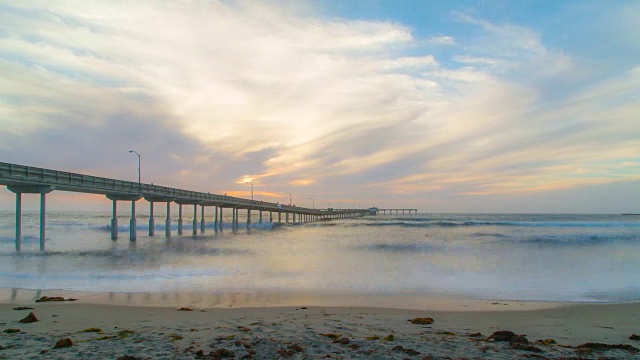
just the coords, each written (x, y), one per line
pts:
(11, 331)
(525, 347)
(605, 347)
(291, 350)
(331, 336)
(63, 343)
(228, 337)
(501, 335)
(519, 339)
(129, 357)
(30, 318)
(634, 337)
(243, 329)
(107, 337)
(390, 337)
(123, 334)
(476, 334)
(546, 342)
(93, 330)
(22, 308)
(176, 337)
(374, 337)
(222, 354)
(54, 298)
(184, 308)
(450, 333)
(422, 321)
(342, 341)
(406, 350)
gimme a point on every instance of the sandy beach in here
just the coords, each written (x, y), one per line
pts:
(463, 331)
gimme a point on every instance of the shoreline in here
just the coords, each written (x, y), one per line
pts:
(312, 331)
(270, 299)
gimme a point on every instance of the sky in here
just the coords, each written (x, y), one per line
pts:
(443, 106)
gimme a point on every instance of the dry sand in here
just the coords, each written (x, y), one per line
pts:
(310, 332)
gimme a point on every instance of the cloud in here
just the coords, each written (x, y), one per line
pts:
(219, 92)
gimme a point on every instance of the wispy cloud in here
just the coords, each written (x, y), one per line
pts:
(228, 91)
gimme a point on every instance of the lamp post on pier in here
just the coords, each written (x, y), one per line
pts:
(328, 202)
(251, 189)
(313, 203)
(133, 152)
(289, 197)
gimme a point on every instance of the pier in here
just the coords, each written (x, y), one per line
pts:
(376, 211)
(21, 179)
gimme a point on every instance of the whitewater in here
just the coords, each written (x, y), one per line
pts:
(531, 257)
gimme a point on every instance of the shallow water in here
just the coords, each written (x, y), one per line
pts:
(515, 257)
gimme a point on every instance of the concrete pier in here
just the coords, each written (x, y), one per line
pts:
(26, 179)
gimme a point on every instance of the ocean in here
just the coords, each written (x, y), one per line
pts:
(583, 258)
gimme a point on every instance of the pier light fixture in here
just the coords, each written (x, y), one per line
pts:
(328, 202)
(289, 197)
(134, 152)
(251, 189)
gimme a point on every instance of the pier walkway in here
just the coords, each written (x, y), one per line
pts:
(384, 211)
(22, 179)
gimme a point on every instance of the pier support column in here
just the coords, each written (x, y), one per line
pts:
(43, 207)
(215, 219)
(167, 223)
(179, 219)
(234, 216)
(270, 216)
(221, 222)
(279, 217)
(18, 221)
(287, 217)
(114, 221)
(132, 222)
(195, 220)
(202, 223)
(294, 218)
(260, 221)
(152, 224)
(248, 219)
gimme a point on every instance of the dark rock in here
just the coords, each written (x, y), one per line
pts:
(634, 337)
(342, 341)
(44, 351)
(354, 346)
(199, 353)
(53, 298)
(519, 339)
(502, 335)
(546, 342)
(63, 343)
(406, 350)
(475, 334)
(525, 347)
(422, 321)
(184, 308)
(222, 354)
(129, 357)
(22, 308)
(30, 318)
(604, 347)
(11, 331)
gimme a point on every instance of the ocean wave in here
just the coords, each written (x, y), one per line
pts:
(400, 247)
(426, 223)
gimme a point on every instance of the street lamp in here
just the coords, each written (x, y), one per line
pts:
(329, 204)
(251, 189)
(289, 197)
(133, 152)
(313, 203)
